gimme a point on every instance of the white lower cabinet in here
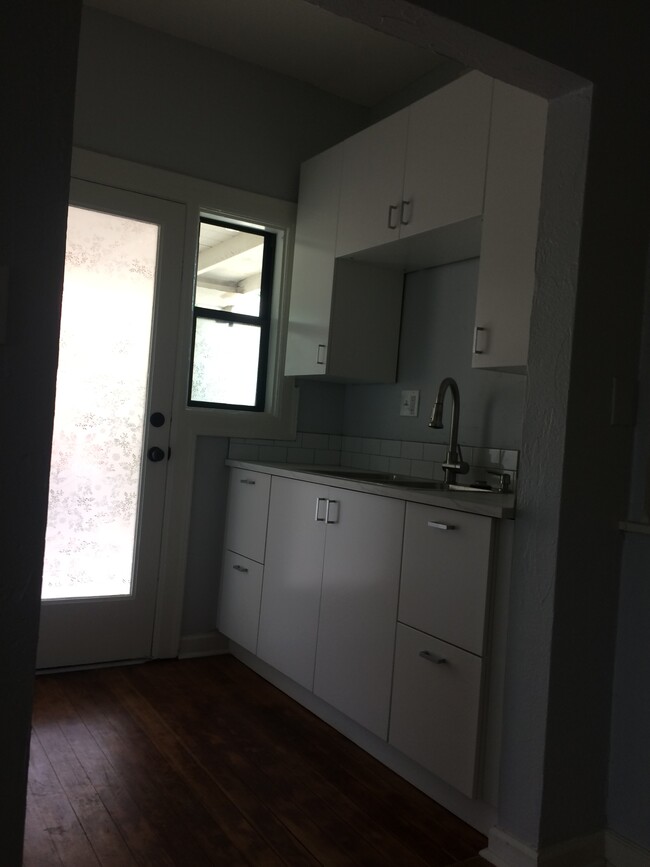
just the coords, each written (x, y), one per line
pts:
(436, 707)
(242, 569)
(438, 674)
(445, 574)
(376, 605)
(329, 602)
(358, 610)
(239, 602)
(292, 580)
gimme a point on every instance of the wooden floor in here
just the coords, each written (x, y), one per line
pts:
(202, 762)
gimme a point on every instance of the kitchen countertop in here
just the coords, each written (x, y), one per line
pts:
(488, 503)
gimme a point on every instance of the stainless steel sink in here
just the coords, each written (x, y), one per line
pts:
(377, 478)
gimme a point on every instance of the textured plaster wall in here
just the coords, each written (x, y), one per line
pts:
(629, 793)
(38, 42)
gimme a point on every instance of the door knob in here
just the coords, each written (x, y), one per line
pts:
(156, 454)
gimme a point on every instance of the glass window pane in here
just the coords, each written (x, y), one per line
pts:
(101, 393)
(229, 269)
(226, 358)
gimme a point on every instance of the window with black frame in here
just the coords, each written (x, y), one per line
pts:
(232, 311)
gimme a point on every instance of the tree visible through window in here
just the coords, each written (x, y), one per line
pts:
(232, 304)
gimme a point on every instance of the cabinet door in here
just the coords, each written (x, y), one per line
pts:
(445, 572)
(435, 708)
(239, 599)
(510, 226)
(358, 609)
(313, 264)
(444, 178)
(292, 579)
(371, 185)
(248, 507)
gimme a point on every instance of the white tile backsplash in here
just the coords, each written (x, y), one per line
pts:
(408, 457)
(391, 448)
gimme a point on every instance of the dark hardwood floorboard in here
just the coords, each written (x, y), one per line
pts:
(202, 762)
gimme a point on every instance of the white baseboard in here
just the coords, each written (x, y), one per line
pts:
(620, 852)
(476, 813)
(205, 644)
(504, 850)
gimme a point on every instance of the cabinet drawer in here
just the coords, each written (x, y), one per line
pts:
(248, 507)
(435, 707)
(239, 600)
(445, 572)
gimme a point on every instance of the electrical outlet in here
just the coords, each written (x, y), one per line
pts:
(410, 402)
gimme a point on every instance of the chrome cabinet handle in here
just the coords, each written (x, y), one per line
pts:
(239, 568)
(406, 203)
(392, 212)
(320, 354)
(247, 481)
(436, 525)
(319, 501)
(432, 657)
(479, 332)
(327, 512)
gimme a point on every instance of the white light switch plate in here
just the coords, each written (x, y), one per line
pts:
(410, 402)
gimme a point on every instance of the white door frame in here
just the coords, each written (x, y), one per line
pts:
(99, 629)
(188, 424)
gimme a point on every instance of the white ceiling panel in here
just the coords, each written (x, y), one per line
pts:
(290, 37)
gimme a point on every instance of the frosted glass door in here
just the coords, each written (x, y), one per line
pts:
(101, 393)
(111, 427)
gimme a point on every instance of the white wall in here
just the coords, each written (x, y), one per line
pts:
(150, 98)
(435, 342)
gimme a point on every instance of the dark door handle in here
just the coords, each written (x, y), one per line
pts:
(156, 454)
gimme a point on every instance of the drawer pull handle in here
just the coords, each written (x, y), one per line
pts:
(392, 216)
(432, 657)
(239, 568)
(438, 526)
(247, 481)
(319, 501)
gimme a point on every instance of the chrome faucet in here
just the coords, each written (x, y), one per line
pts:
(454, 464)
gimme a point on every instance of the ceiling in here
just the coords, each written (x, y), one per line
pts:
(290, 37)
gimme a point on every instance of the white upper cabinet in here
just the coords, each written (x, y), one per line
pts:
(510, 228)
(313, 263)
(444, 177)
(344, 316)
(372, 182)
(419, 170)
(456, 175)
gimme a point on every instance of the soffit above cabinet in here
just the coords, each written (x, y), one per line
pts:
(289, 37)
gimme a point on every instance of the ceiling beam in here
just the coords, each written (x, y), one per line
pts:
(227, 249)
